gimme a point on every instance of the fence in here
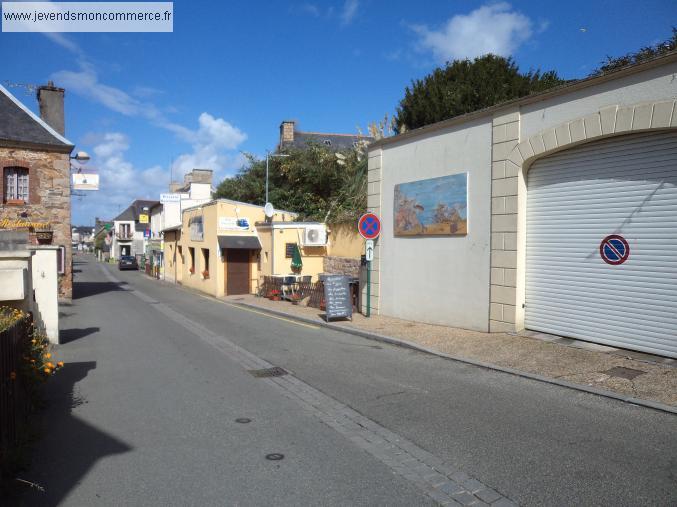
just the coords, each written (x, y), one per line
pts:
(13, 403)
(312, 290)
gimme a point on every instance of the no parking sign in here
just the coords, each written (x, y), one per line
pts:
(614, 249)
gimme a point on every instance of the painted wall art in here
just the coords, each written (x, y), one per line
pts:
(432, 207)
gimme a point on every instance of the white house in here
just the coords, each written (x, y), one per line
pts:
(129, 228)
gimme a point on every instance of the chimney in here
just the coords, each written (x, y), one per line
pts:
(50, 99)
(202, 175)
(287, 131)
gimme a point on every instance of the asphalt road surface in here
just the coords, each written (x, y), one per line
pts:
(144, 413)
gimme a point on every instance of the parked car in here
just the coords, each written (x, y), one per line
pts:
(127, 262)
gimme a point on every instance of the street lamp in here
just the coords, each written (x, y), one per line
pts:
(268, 155)
(81, 157)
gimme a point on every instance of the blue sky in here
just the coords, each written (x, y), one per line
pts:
(232, 71)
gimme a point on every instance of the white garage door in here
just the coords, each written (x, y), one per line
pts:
(578, 287)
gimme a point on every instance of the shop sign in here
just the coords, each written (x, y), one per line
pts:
(233, 224)
(143, 218)
(165, 198)
(8, 224)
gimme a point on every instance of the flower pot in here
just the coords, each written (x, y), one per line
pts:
(44, 237)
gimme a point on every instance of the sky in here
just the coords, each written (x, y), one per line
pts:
(149, 106)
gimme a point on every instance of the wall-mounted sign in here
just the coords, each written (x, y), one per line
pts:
(233, 224)
(85, 181)
(6, 223)
(146, 233)
(165, 198)
(433, 207)
(143, 218)
(369, 226)
(614, 249)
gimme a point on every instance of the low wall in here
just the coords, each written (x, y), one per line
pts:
(342, 266)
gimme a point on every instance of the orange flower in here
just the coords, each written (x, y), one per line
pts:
(32, 360)
(48, 355)
(50, 365)
(60, 364)
(47, 371)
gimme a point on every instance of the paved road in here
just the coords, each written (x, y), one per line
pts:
(144, 414)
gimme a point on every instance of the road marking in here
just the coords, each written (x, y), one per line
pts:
(437, 479)
(265, 314)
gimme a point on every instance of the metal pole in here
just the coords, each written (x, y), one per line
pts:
(267, 154)
(368, 288)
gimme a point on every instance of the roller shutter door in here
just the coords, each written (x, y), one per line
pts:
(627, 186)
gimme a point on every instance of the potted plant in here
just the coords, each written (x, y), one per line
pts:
(44, 236)
(295, 298)
(191, 271)
(205, 274)
(274, 295)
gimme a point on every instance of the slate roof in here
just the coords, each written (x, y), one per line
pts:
(18, 124)
(131, 214)
(338, 142)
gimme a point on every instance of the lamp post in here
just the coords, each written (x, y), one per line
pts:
(268, 156)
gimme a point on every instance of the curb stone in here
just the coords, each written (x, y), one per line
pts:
(656, 405)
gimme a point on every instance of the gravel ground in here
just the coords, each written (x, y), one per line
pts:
(555, 360)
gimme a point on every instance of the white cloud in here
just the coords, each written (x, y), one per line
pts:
(493, 28)
(349, 11)
(213, 142)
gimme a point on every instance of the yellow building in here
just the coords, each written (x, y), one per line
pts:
(225, 247)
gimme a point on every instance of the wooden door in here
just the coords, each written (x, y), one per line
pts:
(237, 271)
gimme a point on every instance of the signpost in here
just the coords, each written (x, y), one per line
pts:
(369, 226)
(338, 299)
(614, 249)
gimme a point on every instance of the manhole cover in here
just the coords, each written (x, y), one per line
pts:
(622, 372)
(275, 371)
(274, 456)
(243, 420)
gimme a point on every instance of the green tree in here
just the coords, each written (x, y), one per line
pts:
(463, 86)
(644, 54)
(315, 182)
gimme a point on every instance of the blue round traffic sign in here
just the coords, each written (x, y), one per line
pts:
(614, 249)
(369, 226)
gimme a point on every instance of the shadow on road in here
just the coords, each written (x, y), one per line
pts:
(69, 335)
(69, 446)
(86, 289)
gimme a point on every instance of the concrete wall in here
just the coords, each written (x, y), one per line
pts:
(44, 277)
(16, 291)
(441, 280)
(478, 281)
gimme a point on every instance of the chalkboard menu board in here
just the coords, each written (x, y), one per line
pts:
(338, 299)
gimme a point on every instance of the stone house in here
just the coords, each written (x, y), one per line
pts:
(292, 138)
(35, 174)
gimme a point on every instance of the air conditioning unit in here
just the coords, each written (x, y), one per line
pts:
(315, 235)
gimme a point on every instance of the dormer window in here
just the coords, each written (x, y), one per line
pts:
(327, 142)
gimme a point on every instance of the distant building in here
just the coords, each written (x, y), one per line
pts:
(129, 228)
(292, 138)
(35, 175)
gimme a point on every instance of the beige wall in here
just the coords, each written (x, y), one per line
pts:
(345, 241)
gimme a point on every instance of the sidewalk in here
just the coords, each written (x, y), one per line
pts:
(647, 377)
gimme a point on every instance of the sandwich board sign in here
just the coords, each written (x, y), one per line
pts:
(338, 299)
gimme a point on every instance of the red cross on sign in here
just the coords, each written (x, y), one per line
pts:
(369, 226)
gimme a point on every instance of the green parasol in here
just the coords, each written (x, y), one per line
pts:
(296, 262)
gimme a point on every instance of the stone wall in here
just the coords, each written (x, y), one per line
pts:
(49, 200)
(342, 266)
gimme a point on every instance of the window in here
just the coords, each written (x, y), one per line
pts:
(61, 260)
(191, 254)
(289, 250)
(327, 142)
(16, 184)
(205, 259)
(196, 230)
